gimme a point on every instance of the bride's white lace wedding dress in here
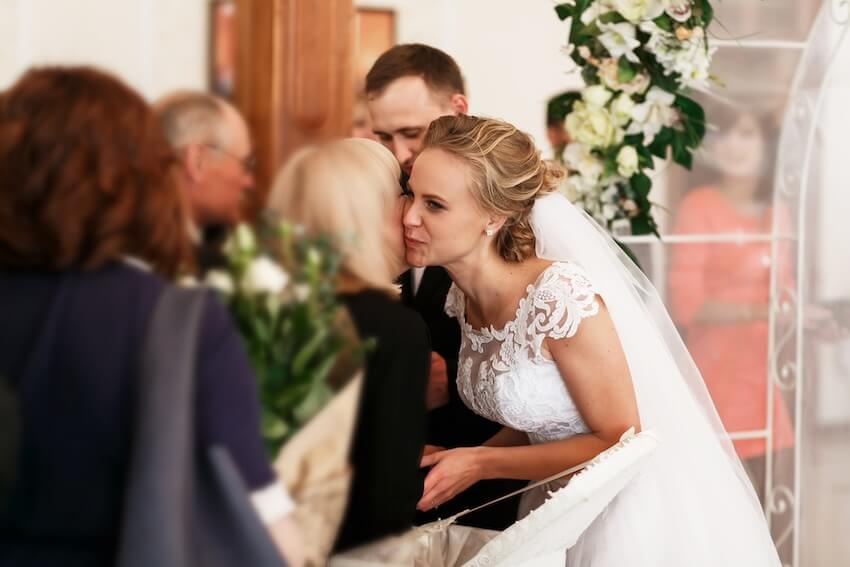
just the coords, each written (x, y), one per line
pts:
(668, 516)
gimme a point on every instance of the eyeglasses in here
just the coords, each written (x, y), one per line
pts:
(248, 163)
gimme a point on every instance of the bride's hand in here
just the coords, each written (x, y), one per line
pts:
(452, 472)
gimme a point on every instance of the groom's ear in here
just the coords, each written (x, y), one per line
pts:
(459, 104)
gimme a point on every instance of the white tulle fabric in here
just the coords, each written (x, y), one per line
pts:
(692, 504)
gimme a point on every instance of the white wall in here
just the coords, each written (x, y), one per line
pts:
(154, 45)
(509, 51)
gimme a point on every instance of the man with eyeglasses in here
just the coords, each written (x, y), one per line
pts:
(213, 145)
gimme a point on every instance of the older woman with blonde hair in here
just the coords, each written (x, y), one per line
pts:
(349, 190)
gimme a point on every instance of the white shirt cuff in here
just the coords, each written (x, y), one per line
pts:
(272, 503)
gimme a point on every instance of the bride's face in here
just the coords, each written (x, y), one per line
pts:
(442, 221)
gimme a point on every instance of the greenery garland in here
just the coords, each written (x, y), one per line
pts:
(638, 59)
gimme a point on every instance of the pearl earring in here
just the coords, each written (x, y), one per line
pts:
(489, 232)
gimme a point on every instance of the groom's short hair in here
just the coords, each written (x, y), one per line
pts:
(439, 71)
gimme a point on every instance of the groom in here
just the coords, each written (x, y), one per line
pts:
(407, 88)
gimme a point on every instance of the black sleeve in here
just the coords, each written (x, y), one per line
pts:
(389, 435)
(228, 409)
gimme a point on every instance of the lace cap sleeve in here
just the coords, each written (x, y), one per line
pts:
(454, 303)
(562, 298)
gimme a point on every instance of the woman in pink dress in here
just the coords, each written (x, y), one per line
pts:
(719, 291)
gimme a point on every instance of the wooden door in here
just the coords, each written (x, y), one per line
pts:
(294, 77)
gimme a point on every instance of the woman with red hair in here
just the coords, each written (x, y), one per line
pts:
(92, 227)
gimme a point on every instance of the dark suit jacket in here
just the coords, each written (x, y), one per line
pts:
(455, 425)
(209, 252)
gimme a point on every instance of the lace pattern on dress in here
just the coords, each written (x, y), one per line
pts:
(503, 373)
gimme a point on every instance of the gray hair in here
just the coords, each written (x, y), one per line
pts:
(189, 117)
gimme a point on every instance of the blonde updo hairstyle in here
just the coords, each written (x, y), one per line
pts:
(344, 189)
(507, 174)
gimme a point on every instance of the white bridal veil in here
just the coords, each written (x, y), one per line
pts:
(693, 503)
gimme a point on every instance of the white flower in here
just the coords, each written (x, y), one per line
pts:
(187, 281)
(627, 161)
(609, 75)
(243, 239)
(597, 96)
(592, 126)
(679, 10)
(574, 188)
(220, 281)
(301, 292)
(653, 114)
(690, 58)
(578, 157)
(638, 10)
(314, 257)
(621, 109)
(595, 10)
(619, 39)
(264, 276)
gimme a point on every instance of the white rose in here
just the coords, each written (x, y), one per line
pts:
(264, 276)
(622, 108)
(597, 95)
(619, 39)
(578, 157)
(638, 10)
(220, 281)
(592, 126)
(627, 161)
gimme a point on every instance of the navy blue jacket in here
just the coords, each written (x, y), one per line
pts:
(70, 345)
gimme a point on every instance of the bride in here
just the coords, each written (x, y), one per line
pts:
(568, 345)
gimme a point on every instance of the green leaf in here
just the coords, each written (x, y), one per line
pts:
(644, 224)
(611, 18)
(565, 11)
(273, 425)
(308, 350)
(664, 22)
(706, 12)
(641, 185)
(662, 140)
(625, 70)
(644, 157)
(681, 154)
(319, 395)
(693, 115)
(590, 75)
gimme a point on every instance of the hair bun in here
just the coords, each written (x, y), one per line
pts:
(508, 174)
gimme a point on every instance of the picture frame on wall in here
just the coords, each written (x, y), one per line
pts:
(222, 47)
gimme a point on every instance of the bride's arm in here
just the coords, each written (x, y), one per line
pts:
(507, 437)
(596, 374)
